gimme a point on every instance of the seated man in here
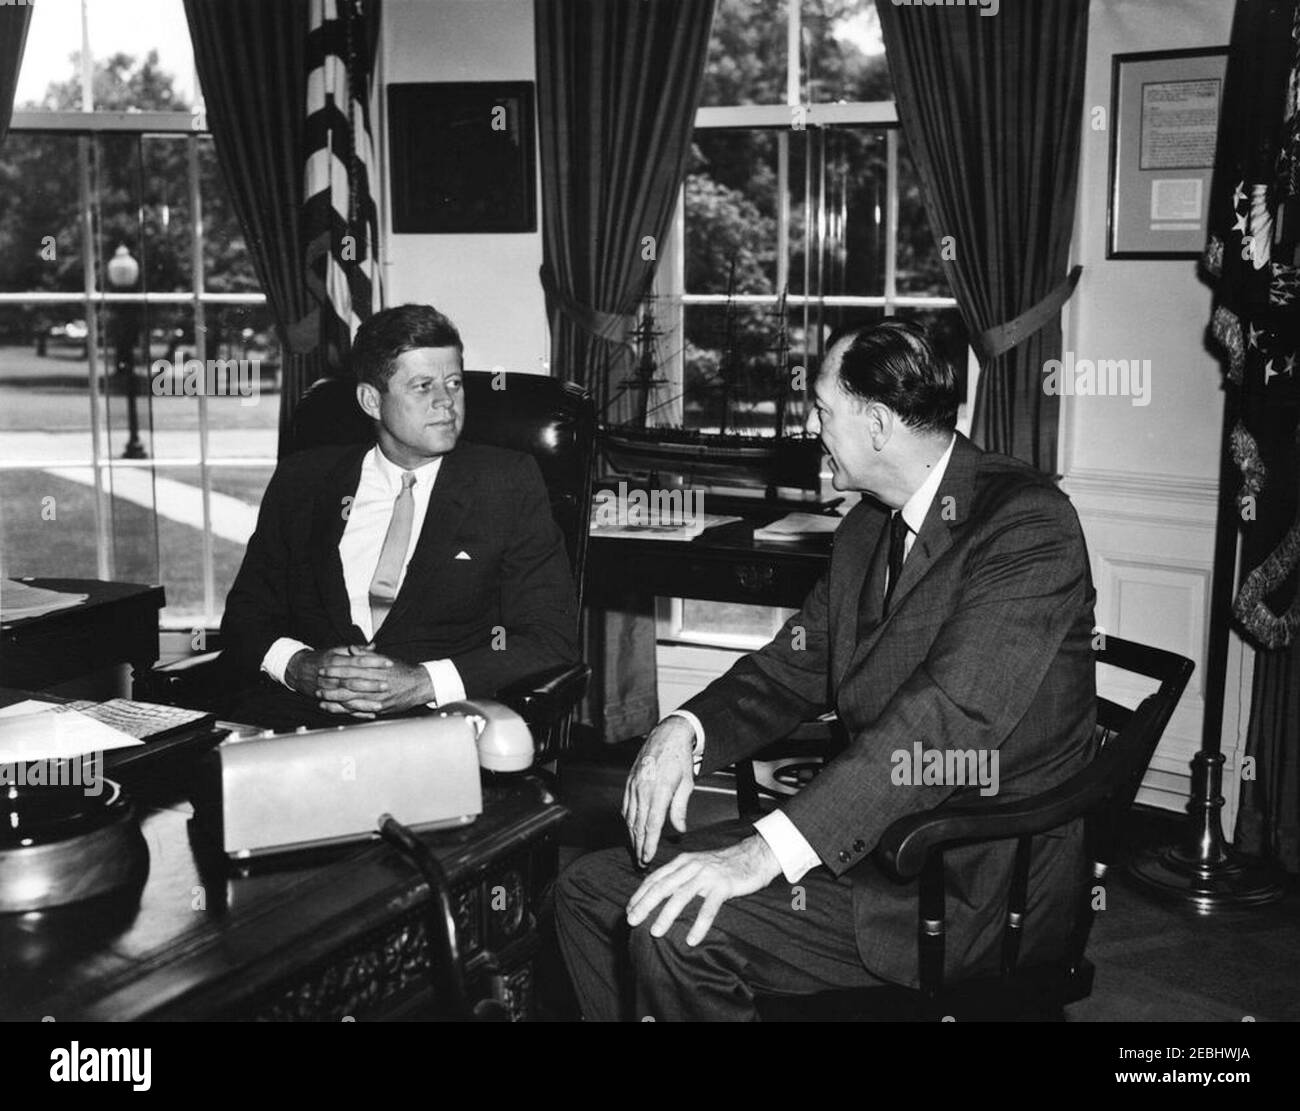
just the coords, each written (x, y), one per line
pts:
(956, 616)
(413, 573)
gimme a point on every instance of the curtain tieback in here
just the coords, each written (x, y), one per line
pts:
(1001, 338)
(612, 327)
(304, 334)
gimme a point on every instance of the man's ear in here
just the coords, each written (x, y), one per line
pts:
(368, 399)
(880, 424)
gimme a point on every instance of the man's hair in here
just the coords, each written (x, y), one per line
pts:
(895, 363)
(391, 333)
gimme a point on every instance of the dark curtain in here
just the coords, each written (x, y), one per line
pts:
(250, 56)
(13, 37)
(618, 82)
(1253, 261)
(992, 110)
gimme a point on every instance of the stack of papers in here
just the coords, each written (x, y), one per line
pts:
(797, 526)
(19, 599)
(678, 529)
(32, 730)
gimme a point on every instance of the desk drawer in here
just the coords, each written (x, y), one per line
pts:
(758, 578)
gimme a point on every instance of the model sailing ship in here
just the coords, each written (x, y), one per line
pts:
(731, 455)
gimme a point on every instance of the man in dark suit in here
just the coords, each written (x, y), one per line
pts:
(952, 633)
(413, 573)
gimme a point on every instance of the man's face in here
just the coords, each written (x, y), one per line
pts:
(843, 421)
(422, 411)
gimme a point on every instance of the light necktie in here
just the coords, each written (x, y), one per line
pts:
(388, 572)
(897, 547)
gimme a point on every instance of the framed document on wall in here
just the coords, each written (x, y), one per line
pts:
(1164, 125)
(462, 157)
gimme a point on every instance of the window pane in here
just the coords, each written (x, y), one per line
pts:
(44, 402)
(180, 540)
(731, 212)
(919, 268)
(843, 56)
(732, 367)
(40, 218)
(747, 53)
(167, 224)
(856, 192)
(244, 423)
(227, 264)
(729, 618)
(48, 523)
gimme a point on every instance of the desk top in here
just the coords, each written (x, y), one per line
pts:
(205, 941)
(101, 594)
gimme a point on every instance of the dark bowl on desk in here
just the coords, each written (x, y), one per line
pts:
(60, 845)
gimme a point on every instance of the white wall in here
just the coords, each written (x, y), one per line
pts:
(1144, 478)
(487, 284)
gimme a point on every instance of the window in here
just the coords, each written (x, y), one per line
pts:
(801, 213)
(121, 262)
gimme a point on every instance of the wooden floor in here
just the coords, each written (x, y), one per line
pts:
(1154, 960)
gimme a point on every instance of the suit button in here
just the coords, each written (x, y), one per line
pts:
(859, 845)
(844, 856)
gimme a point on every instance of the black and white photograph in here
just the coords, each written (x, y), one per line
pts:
(648, 511)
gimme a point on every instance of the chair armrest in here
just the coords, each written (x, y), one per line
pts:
(545, 698)
(187, 665)
(905, 845)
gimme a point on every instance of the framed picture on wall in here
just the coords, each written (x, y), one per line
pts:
(1164, 125)
(462, 157)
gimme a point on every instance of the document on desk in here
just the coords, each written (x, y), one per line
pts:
(796, 526)
(35, 730)
(687, 528)
(20, 599)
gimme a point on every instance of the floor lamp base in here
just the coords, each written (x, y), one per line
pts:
(1230, 882)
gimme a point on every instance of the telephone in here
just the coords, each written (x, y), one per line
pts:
(269, 793)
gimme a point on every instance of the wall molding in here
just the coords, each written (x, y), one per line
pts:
(1151, 499)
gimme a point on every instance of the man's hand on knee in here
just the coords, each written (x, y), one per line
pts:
(714, 877)
(659, 785)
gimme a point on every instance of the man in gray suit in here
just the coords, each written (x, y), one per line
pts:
(952, 635)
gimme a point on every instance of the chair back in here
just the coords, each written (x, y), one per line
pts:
(551, 420)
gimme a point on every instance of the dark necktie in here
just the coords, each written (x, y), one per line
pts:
(897, 540)
(383, 587)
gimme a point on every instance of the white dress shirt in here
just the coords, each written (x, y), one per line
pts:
(369, 515)
(791, 849)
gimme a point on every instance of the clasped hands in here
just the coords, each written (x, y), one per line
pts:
(355, 679)
(658, 787)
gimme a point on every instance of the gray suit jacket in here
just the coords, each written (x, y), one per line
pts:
(987, 646)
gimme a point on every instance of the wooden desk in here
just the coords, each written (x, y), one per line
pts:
(725, 564)
(117, 624)
(322, 941)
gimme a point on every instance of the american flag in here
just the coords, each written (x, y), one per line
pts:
(341, 222)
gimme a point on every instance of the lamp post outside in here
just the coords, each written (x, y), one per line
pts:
(123, 271)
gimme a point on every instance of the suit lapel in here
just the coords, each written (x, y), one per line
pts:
(949, 510)
(451, 499)
(329, 519)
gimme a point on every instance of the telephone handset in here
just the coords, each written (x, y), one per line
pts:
(505, 743)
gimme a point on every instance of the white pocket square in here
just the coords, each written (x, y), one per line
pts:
(462, 555)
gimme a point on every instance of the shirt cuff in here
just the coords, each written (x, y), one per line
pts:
(791, 849)
(277, 658)
(446, 680)
(697, 749)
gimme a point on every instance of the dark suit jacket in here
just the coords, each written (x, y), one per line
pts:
(987, 645)
(506, 612)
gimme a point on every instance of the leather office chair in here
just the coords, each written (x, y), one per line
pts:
(913, 847)
(554, 421)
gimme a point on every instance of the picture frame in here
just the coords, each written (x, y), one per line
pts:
(462, 157)
(1164, 125)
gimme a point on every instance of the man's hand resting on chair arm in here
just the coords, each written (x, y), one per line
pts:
(357, 680)
(659, 785)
